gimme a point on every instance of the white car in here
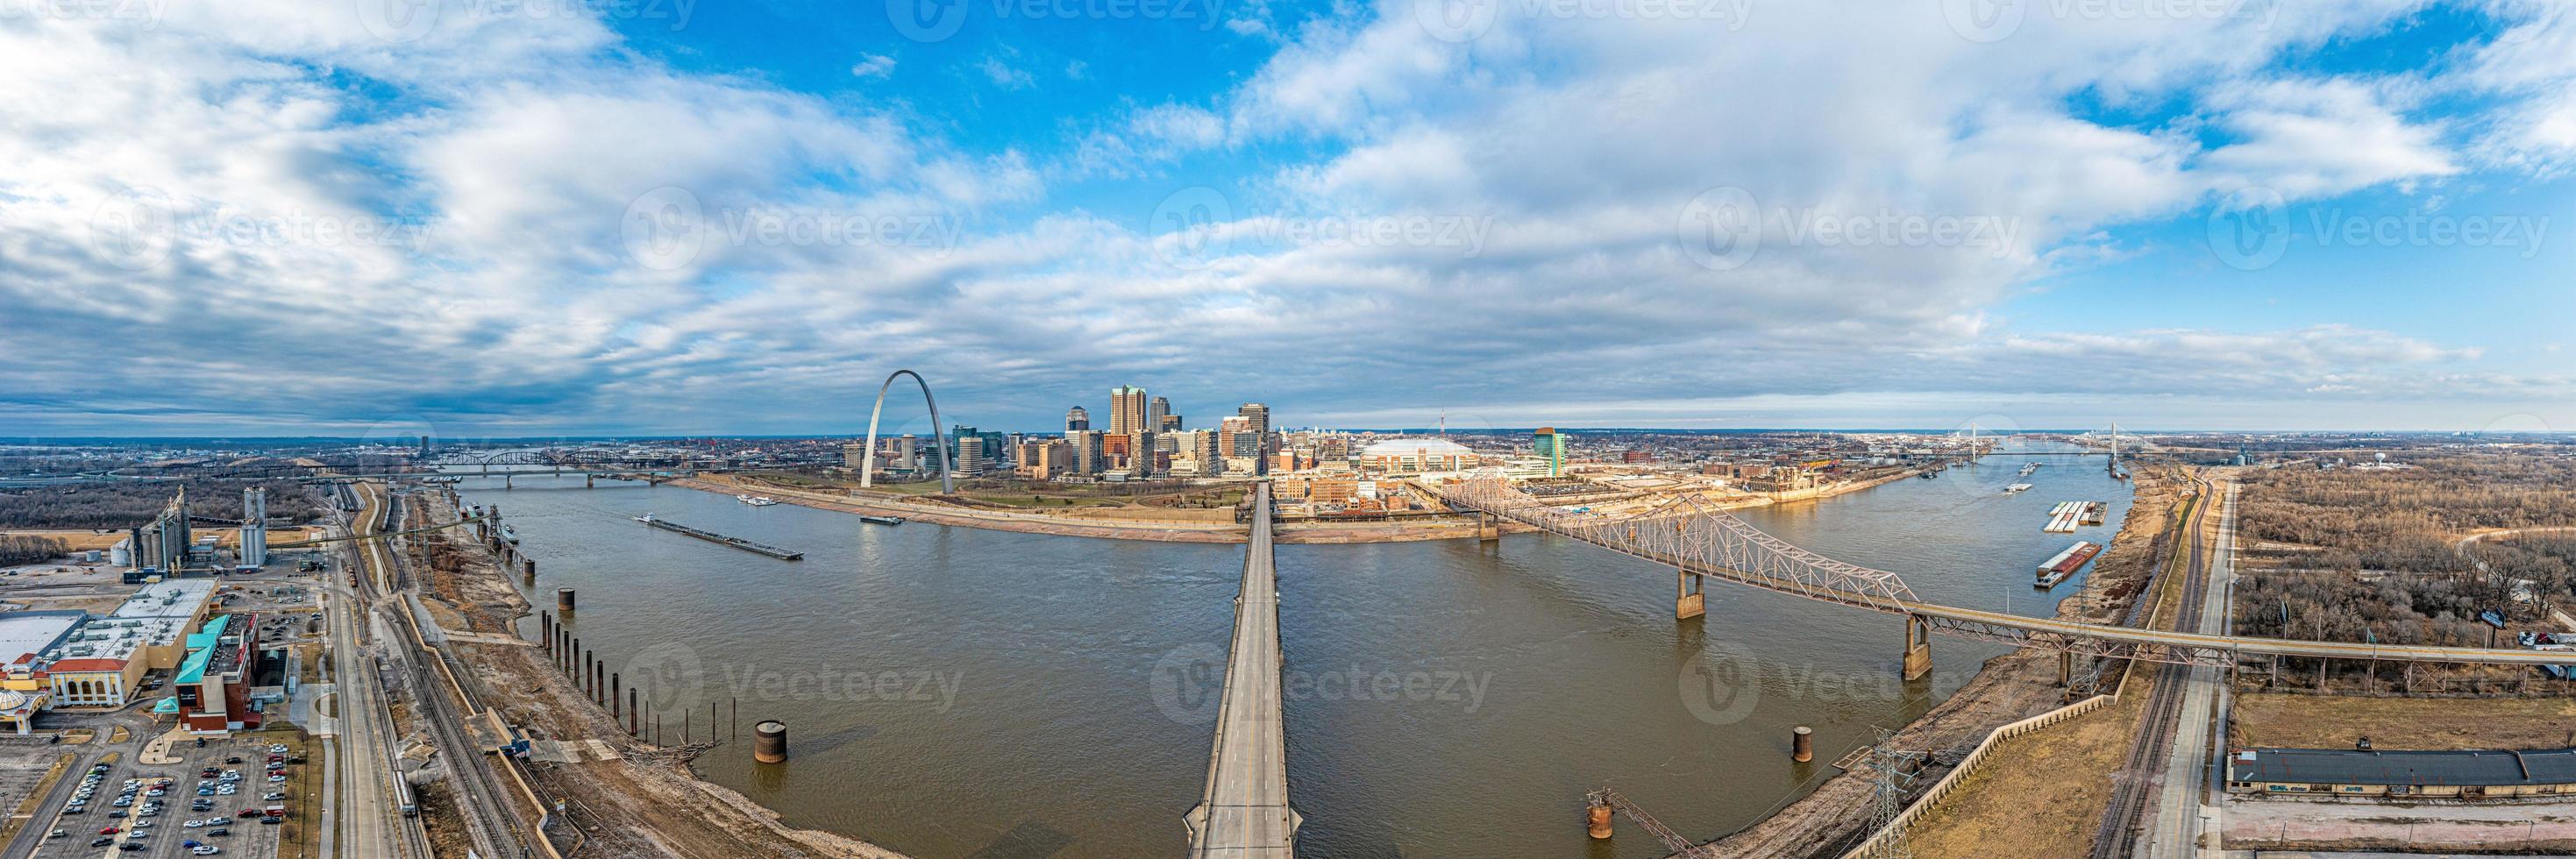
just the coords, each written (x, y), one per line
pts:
(205, 850)
(194, 824)
(277, 749)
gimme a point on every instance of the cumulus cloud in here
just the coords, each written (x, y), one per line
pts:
(273, 217)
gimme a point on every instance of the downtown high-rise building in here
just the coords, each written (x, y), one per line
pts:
(1077, 419)
(1256, 419)
(1157, 413)
(1127, 410)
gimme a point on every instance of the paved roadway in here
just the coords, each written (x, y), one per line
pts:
(2179, 821)
(1244, 811)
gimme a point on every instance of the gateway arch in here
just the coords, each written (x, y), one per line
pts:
(868, 462)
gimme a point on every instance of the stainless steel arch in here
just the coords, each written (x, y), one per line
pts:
(868, 461)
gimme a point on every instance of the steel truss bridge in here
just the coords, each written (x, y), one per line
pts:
(1701, 541)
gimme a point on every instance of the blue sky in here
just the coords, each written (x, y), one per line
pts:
(506, 218)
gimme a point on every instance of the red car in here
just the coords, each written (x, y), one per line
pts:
(248, 812)
(110, 831)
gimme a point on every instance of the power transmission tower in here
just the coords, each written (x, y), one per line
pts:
(1891, 773)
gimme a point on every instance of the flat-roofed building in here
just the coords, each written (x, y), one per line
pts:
(2486, 774)
(103, 662)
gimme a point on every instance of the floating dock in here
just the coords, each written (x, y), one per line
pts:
(713, 537)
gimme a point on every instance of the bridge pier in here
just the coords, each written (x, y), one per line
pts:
(2066, 668)
(1489, 527)
(1689, 602)
(1918, 647)
(590, 481)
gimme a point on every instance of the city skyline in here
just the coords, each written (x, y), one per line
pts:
(2272, 217)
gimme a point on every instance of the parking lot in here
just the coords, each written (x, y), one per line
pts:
(151, 826)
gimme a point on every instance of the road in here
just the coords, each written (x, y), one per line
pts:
(1244, 810)
(2180, 818)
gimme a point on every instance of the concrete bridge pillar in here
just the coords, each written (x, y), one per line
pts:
(590, 481)
(2066, 668)
(1918, 647)
(1489, 527)
(1689, 601)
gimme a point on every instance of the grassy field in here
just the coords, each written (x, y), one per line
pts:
(2333, 722)
(297, 837)
(2042, 792)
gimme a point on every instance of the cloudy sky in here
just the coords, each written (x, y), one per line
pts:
(544, 217)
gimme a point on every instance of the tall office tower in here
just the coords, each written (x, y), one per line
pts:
(970, 454)
(1157, 412)
(254, 530)
(908, 453)
(1077, 419)
(1550, 446)
(1127, 410)
(1202, 446)
(1140, 453)
(1257, 418)
(854, 454)
(1089, 455)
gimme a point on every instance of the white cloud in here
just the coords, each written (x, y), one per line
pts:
(1003, 75)
(873, 66)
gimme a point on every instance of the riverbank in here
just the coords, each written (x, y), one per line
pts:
(1450, 527)
(2006, 689)
(626, 796)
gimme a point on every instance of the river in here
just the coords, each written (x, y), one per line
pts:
(957, 692)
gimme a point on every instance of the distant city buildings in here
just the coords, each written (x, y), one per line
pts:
(1127, 410)
(1549, 446)
(1077, 419)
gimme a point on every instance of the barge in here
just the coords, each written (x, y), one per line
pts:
(881, 520)
(2066, 563)
(713, 537)
(2061, 519)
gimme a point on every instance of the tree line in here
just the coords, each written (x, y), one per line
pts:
(128, 504)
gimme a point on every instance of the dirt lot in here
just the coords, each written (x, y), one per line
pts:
(2321, 721)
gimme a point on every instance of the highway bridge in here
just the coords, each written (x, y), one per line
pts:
(1702, 542)
(1244, 810)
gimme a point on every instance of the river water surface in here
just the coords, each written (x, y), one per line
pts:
(958, 692)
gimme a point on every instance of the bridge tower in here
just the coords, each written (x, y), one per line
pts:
(1918, 646)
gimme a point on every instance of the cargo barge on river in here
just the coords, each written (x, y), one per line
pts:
(713, 537)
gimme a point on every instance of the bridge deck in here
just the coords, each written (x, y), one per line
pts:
(1244, 811)
(1717, 545)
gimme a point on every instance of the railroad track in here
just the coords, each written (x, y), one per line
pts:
(2135, 782)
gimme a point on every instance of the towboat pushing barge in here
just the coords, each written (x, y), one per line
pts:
(713, 537)
(881, 520)
(2066, 563)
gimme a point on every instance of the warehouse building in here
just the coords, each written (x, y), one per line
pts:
(2487, 774)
